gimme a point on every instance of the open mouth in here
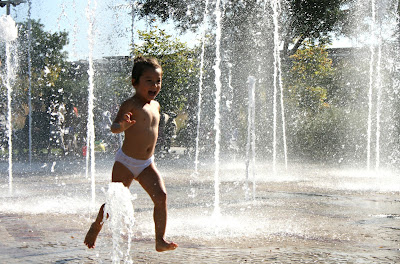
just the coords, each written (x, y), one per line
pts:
(152, 93)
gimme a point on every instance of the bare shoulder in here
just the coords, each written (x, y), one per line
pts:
(128, 102)
(130, 105)
(155, 104)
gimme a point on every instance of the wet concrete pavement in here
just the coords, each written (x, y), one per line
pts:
(293, 219)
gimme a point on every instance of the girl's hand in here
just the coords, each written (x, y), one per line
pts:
(128, 117)
(126, 122)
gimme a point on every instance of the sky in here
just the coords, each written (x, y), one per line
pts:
(112, 32)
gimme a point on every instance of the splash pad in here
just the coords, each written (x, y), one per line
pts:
(297, 217)
(298, 211)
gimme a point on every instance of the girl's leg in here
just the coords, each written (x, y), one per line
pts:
(119, 174)
(153, 184)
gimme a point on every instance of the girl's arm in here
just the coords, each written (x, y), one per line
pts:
(123, 120)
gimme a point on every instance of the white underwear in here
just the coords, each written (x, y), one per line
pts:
(136, 166)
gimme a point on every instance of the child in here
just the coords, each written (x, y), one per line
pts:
(138, 117)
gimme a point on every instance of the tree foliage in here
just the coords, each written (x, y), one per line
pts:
(300, 20)
(309, 78)
(179, 67)
(315, 124)
(48, 60)
(311, 20)
(43, 70)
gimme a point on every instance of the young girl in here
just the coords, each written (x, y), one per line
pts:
(138, 117)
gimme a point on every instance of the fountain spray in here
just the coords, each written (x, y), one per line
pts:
(30, 82)
(277, 84)
(90, 12)
(251, 136)
(196, 162)
(378, 102)
(218, 86)
(371, 84)
(133, 6)
(119, 214)
(9, 33)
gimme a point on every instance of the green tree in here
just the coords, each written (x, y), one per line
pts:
(48, 60)
(309, 78)
(43, 52)
(311, 20)
(179, 68)
(300, 20)
(318, 124)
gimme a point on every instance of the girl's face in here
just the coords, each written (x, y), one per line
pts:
(149, 84)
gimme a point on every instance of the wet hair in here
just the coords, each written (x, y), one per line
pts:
(141, 63)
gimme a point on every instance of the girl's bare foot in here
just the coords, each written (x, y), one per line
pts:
(163, 245)
(92, 234)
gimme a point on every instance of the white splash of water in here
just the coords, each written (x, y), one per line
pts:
(277, 58)
(371, 84)
(251, 145)
(53, 166)
(199, 102)
(75, 30)
(9, 33)
(275, 4)
(119, 215)
(90, 156)
(63, 14)
(30, 82)
(218, 86)
(134, 6)
(8, 29)
(378, 102)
